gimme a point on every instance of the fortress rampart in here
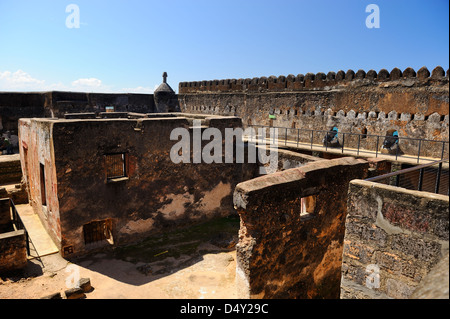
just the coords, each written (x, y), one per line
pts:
(414, 103)
(331, 87)
(16, 105)
(319, 81)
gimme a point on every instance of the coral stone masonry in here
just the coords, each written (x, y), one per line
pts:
(97, 182)
(393, 238)
(107, 171)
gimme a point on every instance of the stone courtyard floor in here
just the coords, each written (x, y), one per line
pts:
(197, 263)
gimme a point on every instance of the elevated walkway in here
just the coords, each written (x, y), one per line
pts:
(41, 243)
(361, 153)
(293, 145)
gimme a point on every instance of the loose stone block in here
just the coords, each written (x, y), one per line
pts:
(85, 284)
(75, 293)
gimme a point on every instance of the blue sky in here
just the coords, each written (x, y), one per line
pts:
(125, 46)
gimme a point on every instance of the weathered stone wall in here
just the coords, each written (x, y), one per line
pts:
(5, 214)
(59, 103)
(39, 173)
(16, 105)
(414, 104)
(13, 252)
(436, 283)
(10, 171)
(156, 195)
(285, 254)
(393, 237)
(16, 192)
(288, 159)
(352, 84)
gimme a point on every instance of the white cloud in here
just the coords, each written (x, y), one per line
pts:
(22, 81)
(140, 89)
(19, 80)
(88, 83)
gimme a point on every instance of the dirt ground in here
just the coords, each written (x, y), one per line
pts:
(199, 267)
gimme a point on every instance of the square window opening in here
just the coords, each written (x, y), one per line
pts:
(115, 166)
(98, 232)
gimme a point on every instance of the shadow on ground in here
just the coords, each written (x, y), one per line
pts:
(33, 268)
(164, 254)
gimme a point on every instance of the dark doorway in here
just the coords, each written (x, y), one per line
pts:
(43, 192)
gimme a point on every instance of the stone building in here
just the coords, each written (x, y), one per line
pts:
(109, 181)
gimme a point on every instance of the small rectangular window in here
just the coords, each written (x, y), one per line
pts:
(307, 206)
(115, 166)
(98, 231)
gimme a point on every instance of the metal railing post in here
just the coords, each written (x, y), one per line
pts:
(419, 186)
(27, 243)
(285, 137)
(274, 129)
(396, 151)
(376, 150)
(359, 142)
(397, 181)
(438, 179)
(418, 153)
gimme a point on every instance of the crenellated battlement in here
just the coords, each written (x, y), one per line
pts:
(319, 81)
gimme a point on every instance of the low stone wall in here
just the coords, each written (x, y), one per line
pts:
(10, 170)
(436, 284)
(13, 252)
(18, 193)
(284, 252)
(16, 105)
(393, 237)
(5, 213)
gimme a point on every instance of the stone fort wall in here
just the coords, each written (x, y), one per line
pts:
(16, 105)
(386, 86)
(319, 81)
(284, 251)
(414, 103)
